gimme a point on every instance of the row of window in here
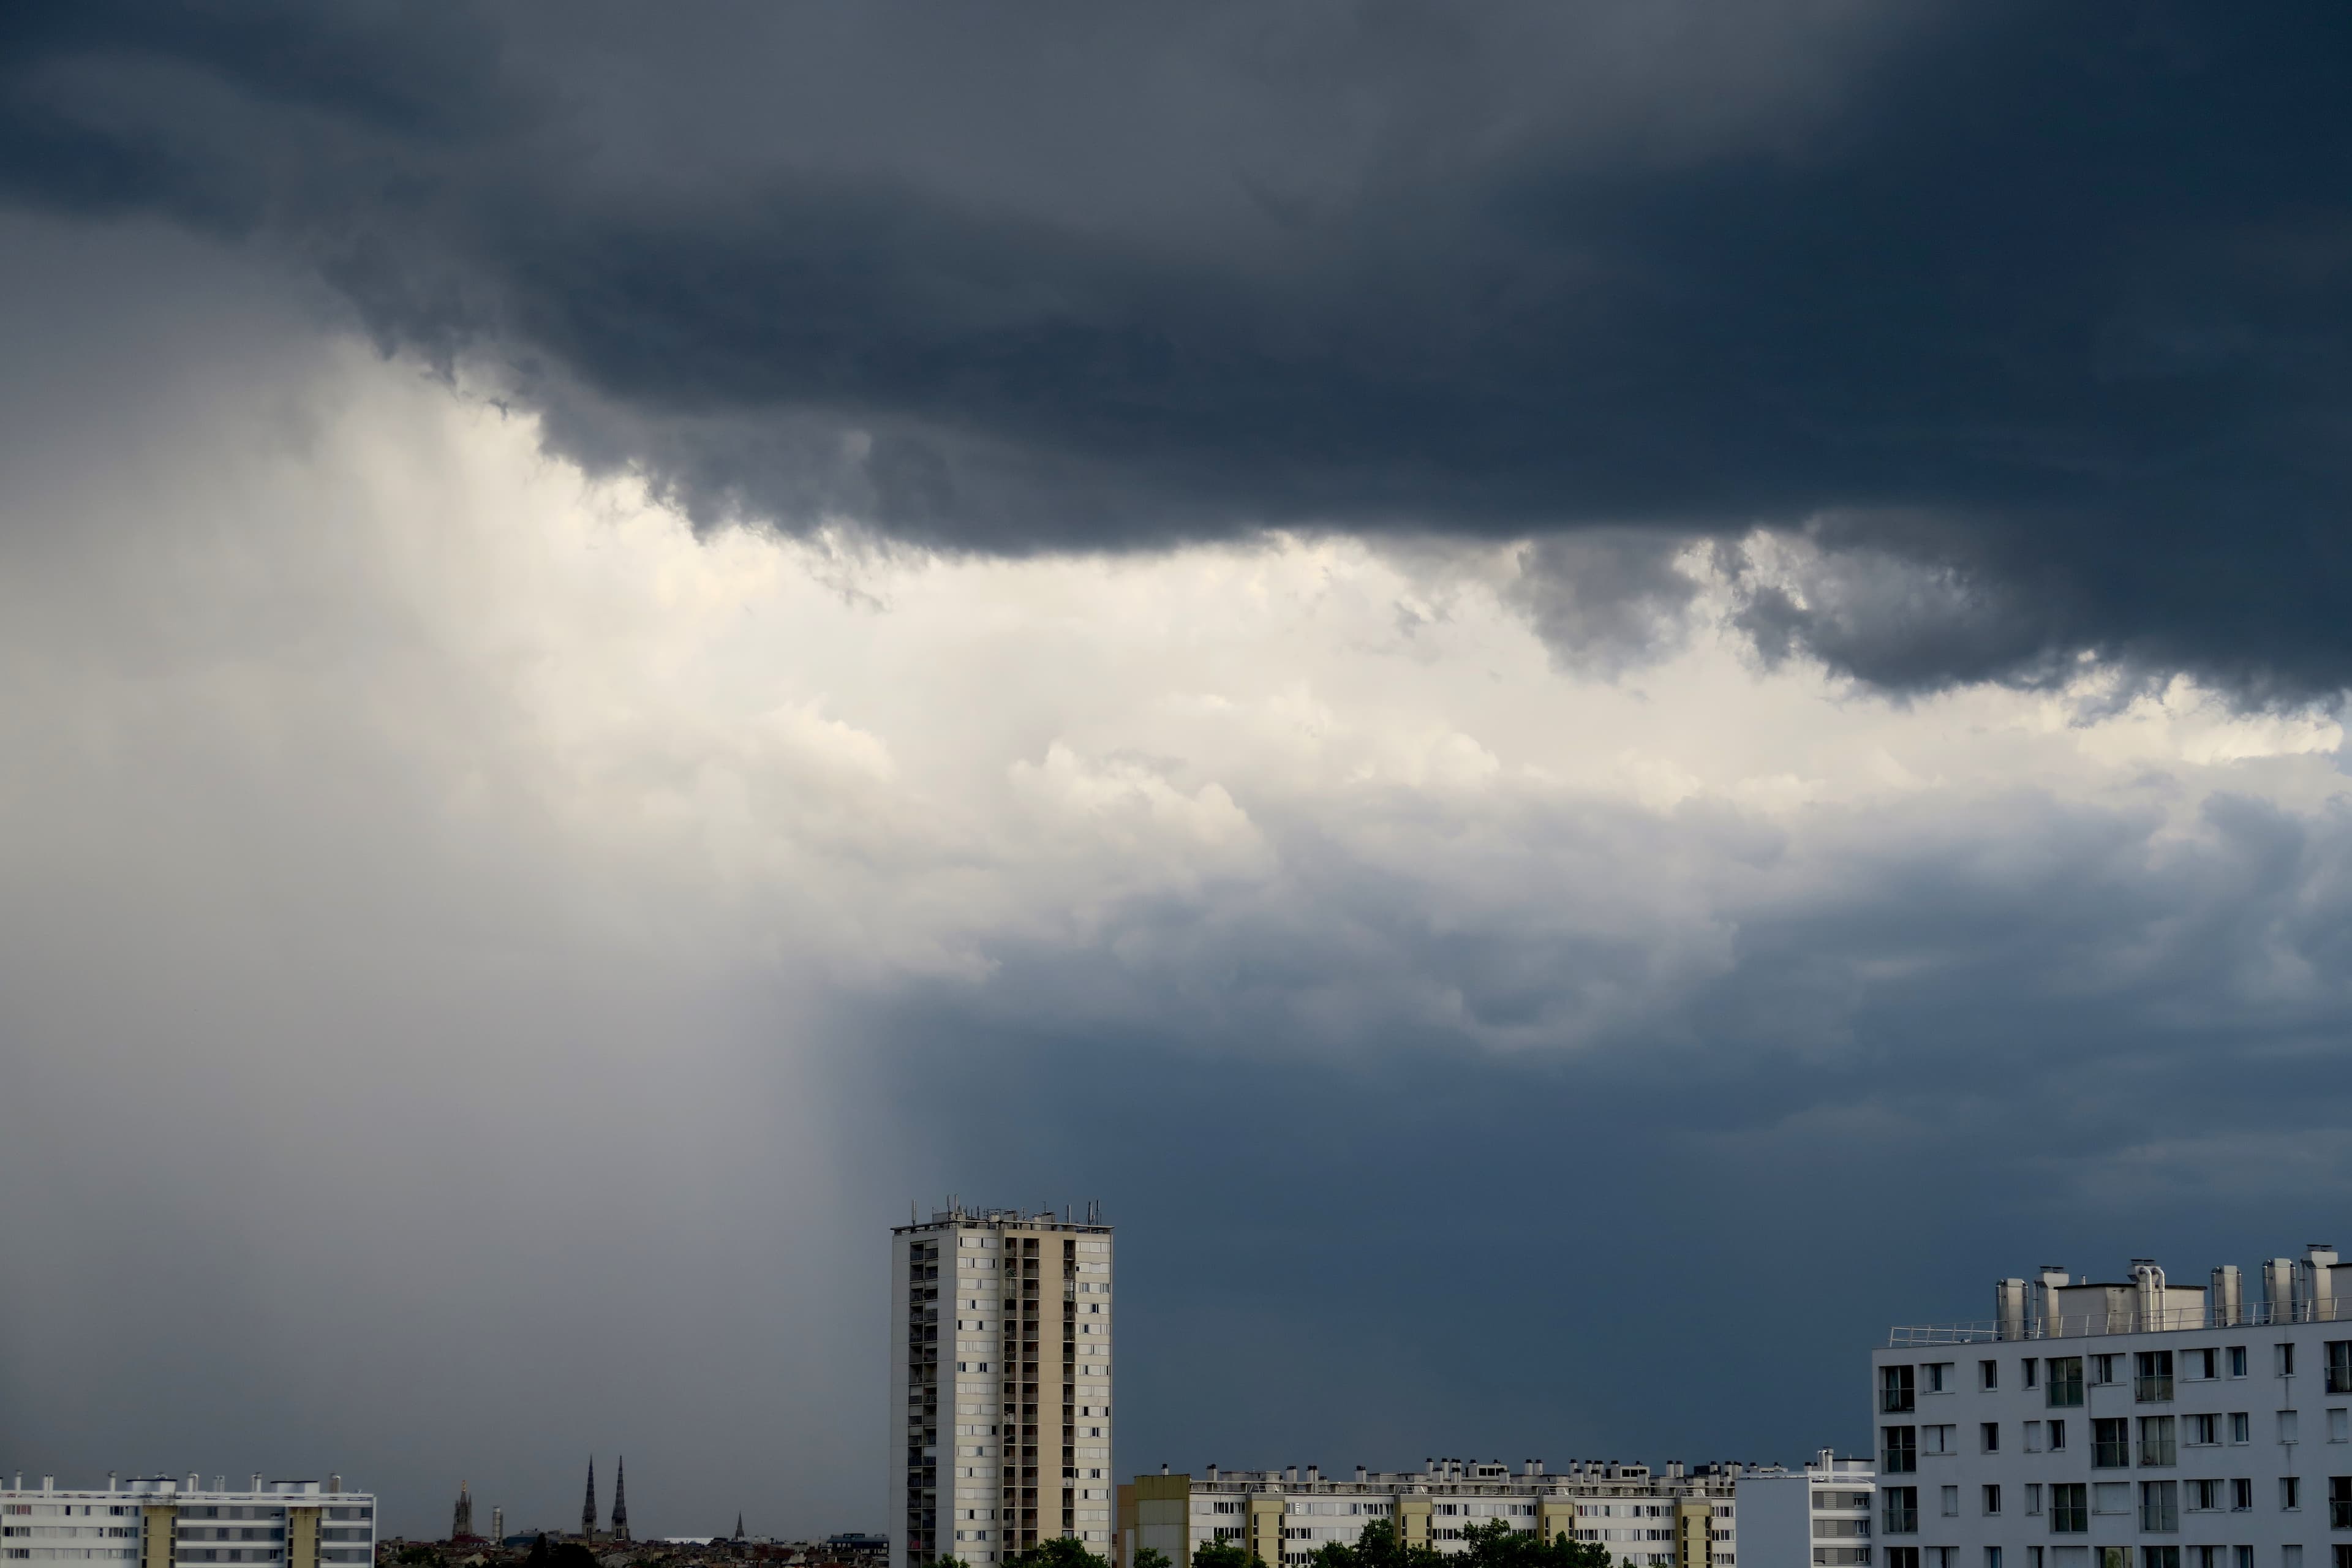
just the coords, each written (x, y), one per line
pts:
(2072, 1503)
(2062, 1378)
(2290, 1556)
(2111, 1437)
(2160, 1437)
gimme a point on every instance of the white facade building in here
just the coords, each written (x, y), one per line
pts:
(159, 1521)
(2133, 1425)
(1674, 1520)
(1000, 1384)
(1819, 1516)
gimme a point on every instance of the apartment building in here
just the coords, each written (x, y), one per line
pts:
(158, 1522)
(2136, 1424)
(1817, 1517)
(1674, 1520)
(999, 1384)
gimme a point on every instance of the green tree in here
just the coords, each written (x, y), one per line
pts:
(1496, 1544)
(1059, 1552)
(1225, 1554)
(1150, 1557)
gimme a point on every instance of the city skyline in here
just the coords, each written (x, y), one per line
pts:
(1582, 700)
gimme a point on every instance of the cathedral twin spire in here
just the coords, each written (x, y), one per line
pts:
(620, 1502)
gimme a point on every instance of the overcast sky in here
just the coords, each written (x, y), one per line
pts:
(1581, 700)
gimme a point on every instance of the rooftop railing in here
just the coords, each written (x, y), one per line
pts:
(2122, 1319)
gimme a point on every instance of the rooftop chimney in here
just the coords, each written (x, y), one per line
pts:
(110, 1480)
(1163, 1467)
(334, 1481)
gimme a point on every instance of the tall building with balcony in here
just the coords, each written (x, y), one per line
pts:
(1676, 1518)
(2137, 1424)
(160, 1522)
(999, 1384)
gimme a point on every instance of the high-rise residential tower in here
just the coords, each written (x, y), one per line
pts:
(999, 1384)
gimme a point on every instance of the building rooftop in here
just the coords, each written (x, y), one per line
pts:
(2051, 1306)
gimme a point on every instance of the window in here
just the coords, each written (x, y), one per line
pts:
(2070, 1507)
(2241, 1496)
(2152, 1377)
(1894, 1390)
(2033, 1557)
(1992, 1557)
(2283, 1361)
(2111, 1497)
(1900, 1516)
(1951, 1501)
(2202, 1365)
(2156, 1440)
(2204, 1497)
(1902, 1557)
(1936, 1371)
(2287, 1425)
(1938, 1440)
(2026, 1369)
(2065, 1382)
(2245, 1555)
(2057, 1436)
(2339, 1427)
(2204, 1431)
(2290, 1492)
(2159, 1506)
(1989, 1377)
(2159, 1557)
(1899, 1456)
(2340, 1556)
(1989, 1437)
(2034, 1497)
(2102, 1367)
(2242, 1427)
(1992, 1498)
(2237, 1359)
(2033, 1436)
(2291, 1557)
(2339, 1502)
(2340, 1366)
(2110, 1443)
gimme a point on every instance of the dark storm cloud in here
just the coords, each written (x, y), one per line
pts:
(2033, 318)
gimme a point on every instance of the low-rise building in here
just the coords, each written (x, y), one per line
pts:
(1818, 1517)
(1676, 1518)
(162, 1521)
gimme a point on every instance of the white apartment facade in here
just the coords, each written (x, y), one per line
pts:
(2129, 1424)
(1819, 1516)
(1673, 1519)
(161, 1521)
(1000, 1384)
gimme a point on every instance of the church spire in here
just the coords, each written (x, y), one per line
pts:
(461, 1522)
(739, 1526)
(588, 1509)
(620, 1499)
